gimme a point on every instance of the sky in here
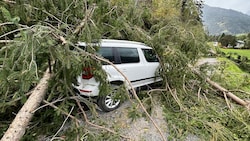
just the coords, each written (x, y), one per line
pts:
(238, 5)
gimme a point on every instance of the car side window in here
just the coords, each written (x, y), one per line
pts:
(150, 55)
(107, 53)
(128, 55)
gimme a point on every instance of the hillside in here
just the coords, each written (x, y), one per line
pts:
(219, 20)
(248, 13)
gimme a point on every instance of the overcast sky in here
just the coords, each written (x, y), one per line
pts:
(239, 5)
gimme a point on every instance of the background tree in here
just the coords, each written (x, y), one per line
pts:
(247, 41)
(241, 37)
(228, 40)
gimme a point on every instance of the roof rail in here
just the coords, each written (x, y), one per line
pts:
(112, 41)
(121, 41)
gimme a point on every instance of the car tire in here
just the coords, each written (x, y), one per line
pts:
(108, 103)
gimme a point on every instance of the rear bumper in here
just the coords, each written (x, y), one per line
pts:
(89, 87)
(88, 90)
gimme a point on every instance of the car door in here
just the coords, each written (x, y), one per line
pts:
(130, 63)
(151, 63)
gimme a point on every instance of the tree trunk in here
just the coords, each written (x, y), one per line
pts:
(17, 128)
(222, 89)
(229, 94)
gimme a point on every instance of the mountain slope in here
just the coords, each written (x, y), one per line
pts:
(219, 20)
(248, 13)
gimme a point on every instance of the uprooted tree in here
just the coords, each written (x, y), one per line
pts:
(36, 35)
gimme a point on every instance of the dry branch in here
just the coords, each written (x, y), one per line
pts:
(9, 1)
(228, 94)
(18, 126)
(63, 112)
(8, 41)
(224, 90)
(54, 137)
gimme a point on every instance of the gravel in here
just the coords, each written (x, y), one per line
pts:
(141, 129)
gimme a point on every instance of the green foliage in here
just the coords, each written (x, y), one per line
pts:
(207, 118)
(227, 40)
(203, 112)
(20, 66)
(6, 13)
(133, 113)
(247, 41)
(236, 52)
(239, 56)
(231, 76)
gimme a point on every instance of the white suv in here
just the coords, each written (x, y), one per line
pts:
(135, 60)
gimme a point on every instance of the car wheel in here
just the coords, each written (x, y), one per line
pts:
(109, 103)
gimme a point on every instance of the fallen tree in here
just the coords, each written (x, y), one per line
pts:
(18, 127)
(175, 34)
(229, 94)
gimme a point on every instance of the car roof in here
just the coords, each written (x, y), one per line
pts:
(116, 43)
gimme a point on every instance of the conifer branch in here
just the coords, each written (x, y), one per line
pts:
(48, 104)
(63, 112)
(89, 13)
(9, 1)
(13, 31)
(62, 124)
(6, 23)
(8, 41)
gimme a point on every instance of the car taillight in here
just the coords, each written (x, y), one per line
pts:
(87, 73)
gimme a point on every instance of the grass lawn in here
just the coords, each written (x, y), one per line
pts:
(231, 76)
(242, 52)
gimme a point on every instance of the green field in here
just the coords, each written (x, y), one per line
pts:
(242, 52)
(231, 76)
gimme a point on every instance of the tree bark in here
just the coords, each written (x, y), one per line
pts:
(18, 126)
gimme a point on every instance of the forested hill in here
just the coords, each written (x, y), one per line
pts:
(219, 20)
